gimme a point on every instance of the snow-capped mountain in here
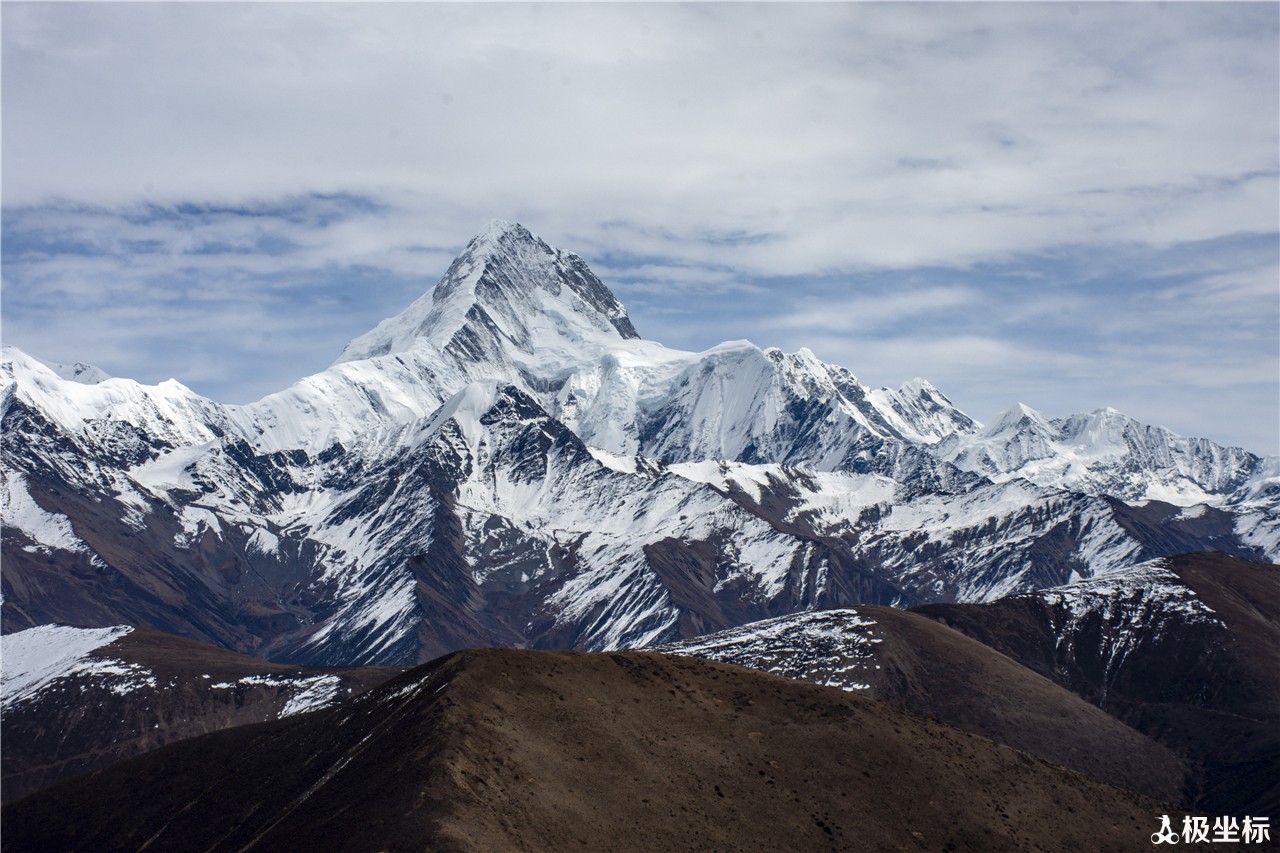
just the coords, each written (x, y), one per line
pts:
(507, 463)
(85, 374)
(1106, 452)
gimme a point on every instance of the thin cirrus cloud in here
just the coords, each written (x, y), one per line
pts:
(871, 313)
(1004, 197)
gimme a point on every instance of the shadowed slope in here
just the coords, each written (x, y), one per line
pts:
(915, 663)
(147, 689)
(1198, 671)
(520, 750)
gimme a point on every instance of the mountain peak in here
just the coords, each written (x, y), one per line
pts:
(496, 230)
(85, 374)
(507, 292)
(918, 387)
(1019, 417)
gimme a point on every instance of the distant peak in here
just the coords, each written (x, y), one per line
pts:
(1101, 420)
(498, 227)
(85, 374)
(1016, 415)
(918, 385)
(508, 290)
(497, 231)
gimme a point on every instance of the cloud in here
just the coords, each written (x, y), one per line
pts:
(960, 173)
(1184, 337)
(806, 124)
(236, 302)
(872, 314)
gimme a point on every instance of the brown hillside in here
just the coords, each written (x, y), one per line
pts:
(519, 750)
(1210, 691)
(81, 724)
(930, 669)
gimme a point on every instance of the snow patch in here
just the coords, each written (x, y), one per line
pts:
(85, 374)
(835, 648)
(314, 693)
(306, 693)
(1149, 588)
(37, 657)
(614, 461)
(50, 531)
(264, 542)
(1190, 512)
(1261, 529)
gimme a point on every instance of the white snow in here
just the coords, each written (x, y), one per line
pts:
(50, 531)
(35, 658)
(85, 374)
(195, 521)
(264, 542)
(169, 410)
(835, 648)
(1261, 529)
(920, 412)
(614, 461)
(1148, 585)
(173, 470)
(1105, 452)
(1133, 604)
(314, 693)
(306, 692)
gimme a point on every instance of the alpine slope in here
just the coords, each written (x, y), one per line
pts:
(508, 463)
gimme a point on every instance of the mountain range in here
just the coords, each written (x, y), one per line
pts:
(507, 463)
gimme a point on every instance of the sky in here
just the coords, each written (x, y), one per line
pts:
(1066, 205)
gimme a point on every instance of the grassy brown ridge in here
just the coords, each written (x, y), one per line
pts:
(489, 750)
(930, 669)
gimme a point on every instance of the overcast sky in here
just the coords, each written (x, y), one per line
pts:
(1066, 205)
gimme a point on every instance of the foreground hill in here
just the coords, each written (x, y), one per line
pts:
(521, 750)
(915, 663)
(1186, 650)
(1111, 676)
(79, 699)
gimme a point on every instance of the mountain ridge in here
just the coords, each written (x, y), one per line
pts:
(76, 700)
(546, 750)
(384, 510)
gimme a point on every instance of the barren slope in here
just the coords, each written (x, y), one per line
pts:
(1203, 680)
(915, 663)
(520, 750)
(147, 689)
